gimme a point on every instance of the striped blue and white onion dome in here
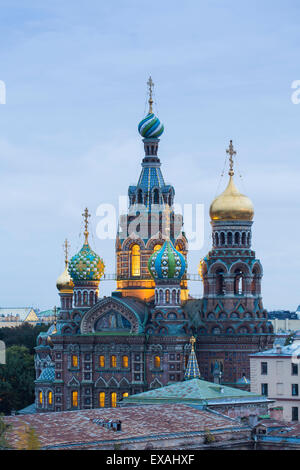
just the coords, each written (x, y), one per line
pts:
(150, 127)
(167, 263)
(192, 371)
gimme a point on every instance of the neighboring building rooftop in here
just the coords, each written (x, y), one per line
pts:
(194, 391)
(279, 350)
(24, 313)
(76, 429)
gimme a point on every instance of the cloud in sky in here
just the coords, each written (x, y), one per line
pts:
(75, 77)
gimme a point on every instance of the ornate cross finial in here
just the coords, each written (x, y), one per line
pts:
(55, 320)
(66, 247)
(193, 341)
(86, 216)
(150, 84)
(231, 152)
(167, 212)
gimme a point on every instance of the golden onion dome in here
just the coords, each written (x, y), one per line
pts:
(64, 283)
(231, 205)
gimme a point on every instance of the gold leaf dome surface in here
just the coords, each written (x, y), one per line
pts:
(231, 205)
(64, 283)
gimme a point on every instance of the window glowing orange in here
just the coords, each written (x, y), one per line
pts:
(135, 260)
(75, 361)
(157, 247)
(114, 400)
(178, 248)
(49, 398)
(125, 361)
(102, 399)
(113, 361)
(101, 361)
(125, 394)
(41, 398)
(157, 362)
(75, 398)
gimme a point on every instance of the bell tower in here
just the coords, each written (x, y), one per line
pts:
(235, 322)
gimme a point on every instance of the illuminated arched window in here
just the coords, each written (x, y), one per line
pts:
(75, 398)
(135, 260)
(157, 247)
(113, 361)
(102, 400)
(157, 362)
(125, 394)
(41, 398)
(178, 248)
(114, 400)
(101, 361)
(74, 361)
(50, 398)
(125, 361)
(167, 296)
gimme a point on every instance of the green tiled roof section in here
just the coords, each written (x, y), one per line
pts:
(194, 390)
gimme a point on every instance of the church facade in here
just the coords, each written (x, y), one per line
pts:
(101, 350)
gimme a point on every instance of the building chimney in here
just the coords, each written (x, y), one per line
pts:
(278, 349)
(276, 413)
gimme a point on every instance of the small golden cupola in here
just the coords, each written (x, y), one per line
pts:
(64, 283)
(231, 204)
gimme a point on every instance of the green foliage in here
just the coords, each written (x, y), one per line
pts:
(208, 437)
(23, 335)
(3, 434)
(16, 380)
(28, 439)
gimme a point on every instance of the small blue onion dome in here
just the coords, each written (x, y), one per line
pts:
(86, 265)
(167, 263)
(150, 127)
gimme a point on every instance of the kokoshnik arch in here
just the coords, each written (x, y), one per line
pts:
(103, 349)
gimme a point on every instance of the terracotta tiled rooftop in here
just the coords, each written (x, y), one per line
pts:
(76, 427)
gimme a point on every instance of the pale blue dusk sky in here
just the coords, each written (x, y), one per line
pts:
(76, 74)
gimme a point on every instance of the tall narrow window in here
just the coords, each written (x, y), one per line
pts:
(157, 362)
(50, 398)
(40, 398)
(238, 282)
(75, 399)
(102, 399)
(74, 361)
(125, 361)
(220, 282)
(155, 196)
(113, 361)
(140, 197)
(294, 413)
(135, 260)
(114, 400)
(101, 361)
(167, 296)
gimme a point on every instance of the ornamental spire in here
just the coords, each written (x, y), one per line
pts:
(192, 370)
(231, 152)
(55, 321)
(86, 216)
(66, 247)
(150, 84)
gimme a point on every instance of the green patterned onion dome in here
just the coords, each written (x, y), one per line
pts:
(150, 127)
(86, 265)
(167, 263)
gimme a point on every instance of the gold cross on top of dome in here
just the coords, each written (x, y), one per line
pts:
(231, 152)
(150, 84)
(86, 216)
(66, 247)
(193, 341)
